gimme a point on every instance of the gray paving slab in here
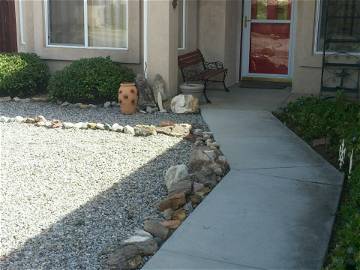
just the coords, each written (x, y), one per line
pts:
(173, 260)
(276, 207)
(244, 123)
(267, 152)
(261, 221)
(325, 174)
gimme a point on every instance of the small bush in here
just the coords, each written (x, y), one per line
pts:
(337, 120)
(22, 74)
(89, 80)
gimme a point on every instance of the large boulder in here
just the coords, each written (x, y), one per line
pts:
(185, 104)
(201, 157)
(146, 97)
(156, 229)
(175, 174)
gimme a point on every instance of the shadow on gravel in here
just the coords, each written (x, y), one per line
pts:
(79, 240)
(74, 114)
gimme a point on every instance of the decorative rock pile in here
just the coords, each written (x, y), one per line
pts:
(166, 127)
(187, 186)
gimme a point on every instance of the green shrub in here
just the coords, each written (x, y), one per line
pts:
(345, 253)
(22, 74)
(89, 80)
(337, 120)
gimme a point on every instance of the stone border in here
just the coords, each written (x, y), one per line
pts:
(166, 127)
(187, 186)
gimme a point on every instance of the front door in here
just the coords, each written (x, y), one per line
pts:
(267, 36)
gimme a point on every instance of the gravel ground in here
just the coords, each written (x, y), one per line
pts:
(73, 114)
(67, 195)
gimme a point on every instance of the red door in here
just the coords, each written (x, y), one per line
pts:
(266, 38)
(8, 41)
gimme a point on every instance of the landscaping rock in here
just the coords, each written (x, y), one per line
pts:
(117, 128)
(107, 104)
(174, 202)
(114, 103)
(177, 130)
(129, 130)
(64, 104)
(4, 99)
(107, 127)
(55, 124)
(145, 247)
(91, 125)
(124, 258)
(206, 176)
(144, 130)
(81, 125)
(197, 132)
(179, 214)
(201, 157)
(197, 186)
(30, 120)
(146, 97)
(4, 119)
(42, 98)
(84, 106)
(167, 214)
(68, 125)
(19, 119)
(92, 106)
(188, 208)
(183, 186)
(196, 199)
(16, 99)
(156, 229)
(185, 104)
(171, 224)
(167, 123)
(100, 126)
(175, 174)
(40, 118)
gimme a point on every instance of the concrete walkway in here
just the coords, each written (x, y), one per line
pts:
(276, 207)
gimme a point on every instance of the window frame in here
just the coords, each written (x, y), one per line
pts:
(184, 25)
(86, 26)
(317, 33)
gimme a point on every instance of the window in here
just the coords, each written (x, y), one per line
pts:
(343, 23)
(182, 24)
(87, 23)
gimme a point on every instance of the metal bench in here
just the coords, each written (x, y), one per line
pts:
(194, 68)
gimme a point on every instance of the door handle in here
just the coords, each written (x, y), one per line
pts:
(246, 20)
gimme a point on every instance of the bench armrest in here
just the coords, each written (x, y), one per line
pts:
(214, 65)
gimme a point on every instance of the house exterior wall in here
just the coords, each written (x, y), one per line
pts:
(33, 29)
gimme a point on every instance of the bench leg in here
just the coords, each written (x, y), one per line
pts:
(205, 95)
(224, 78)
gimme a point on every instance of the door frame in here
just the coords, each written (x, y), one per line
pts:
(245, 47)
(8, 34)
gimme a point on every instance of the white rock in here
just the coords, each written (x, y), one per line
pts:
(2, 99)
(16, 99)
(143, 233)
(81, 125)
(114, 103)
(117, 128)
(92, 106)
(150, 109)
(185, 104)
(175, 174)
(4, 119)
(198, 132)
(100, 126)
(129, 130)
(68, 125)
(107, 104)
(64, 104)
(19, 119)
(48, 124)
(137, 239)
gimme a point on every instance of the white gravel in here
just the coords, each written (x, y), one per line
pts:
(66, 195)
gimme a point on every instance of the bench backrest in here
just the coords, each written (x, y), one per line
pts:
(190, 59)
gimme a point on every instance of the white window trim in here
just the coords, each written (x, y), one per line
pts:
(86, 40)
(21, 22)
(316, 34)
(184, 19)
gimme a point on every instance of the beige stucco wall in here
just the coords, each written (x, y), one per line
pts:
(307, 64)
(219, 33)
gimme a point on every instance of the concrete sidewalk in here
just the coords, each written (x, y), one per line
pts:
(274, 210)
